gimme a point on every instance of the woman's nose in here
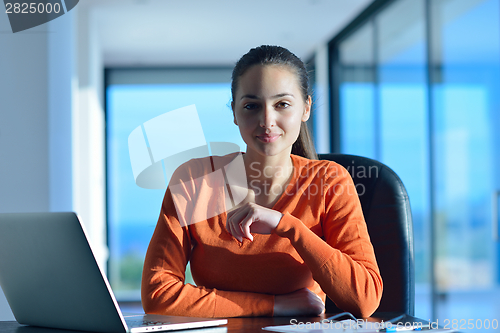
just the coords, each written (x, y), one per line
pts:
(267, 118)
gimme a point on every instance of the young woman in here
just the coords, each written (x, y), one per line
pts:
(298, 236)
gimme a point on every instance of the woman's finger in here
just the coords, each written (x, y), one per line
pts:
(235, 216)
(232, 224)
(235, 212)
(236, 234)
(230, 228)
(236, 222)
(245, 226)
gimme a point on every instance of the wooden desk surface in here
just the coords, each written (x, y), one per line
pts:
(254, 324)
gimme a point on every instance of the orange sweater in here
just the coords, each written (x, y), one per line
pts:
(321, 243)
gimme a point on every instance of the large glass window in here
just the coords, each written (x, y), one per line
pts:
(134, 97)
(357, 93)
(418, 87)
(383, 112)
(403, 125)
(466, 109)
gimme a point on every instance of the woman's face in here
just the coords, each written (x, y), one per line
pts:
(268, 108)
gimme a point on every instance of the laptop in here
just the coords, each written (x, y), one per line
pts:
(50, 278)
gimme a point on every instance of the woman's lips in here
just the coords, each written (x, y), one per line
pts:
(268, 137)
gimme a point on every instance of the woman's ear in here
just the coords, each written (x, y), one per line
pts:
(234, 115)
(307, 109)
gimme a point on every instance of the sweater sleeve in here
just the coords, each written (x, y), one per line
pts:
(344, 263)
(164, 290)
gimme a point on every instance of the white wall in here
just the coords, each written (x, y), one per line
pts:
(24, 114)
(24, 158)
(89, 184)
(52, 124)
(61, 65)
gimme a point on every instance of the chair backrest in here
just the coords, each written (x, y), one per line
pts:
(386, 208)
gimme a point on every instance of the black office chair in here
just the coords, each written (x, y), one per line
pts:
(386, 208)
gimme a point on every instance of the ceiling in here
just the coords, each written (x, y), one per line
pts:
(213, 32)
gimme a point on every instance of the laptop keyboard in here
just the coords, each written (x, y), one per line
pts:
(143, 323)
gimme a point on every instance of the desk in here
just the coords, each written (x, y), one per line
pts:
(245, 325)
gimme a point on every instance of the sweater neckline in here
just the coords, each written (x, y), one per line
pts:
(295, 174)
(293, 179)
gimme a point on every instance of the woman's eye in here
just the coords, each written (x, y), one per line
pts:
(250, 106)
(283, 105)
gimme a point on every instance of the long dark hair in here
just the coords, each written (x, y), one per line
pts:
(277, 55)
